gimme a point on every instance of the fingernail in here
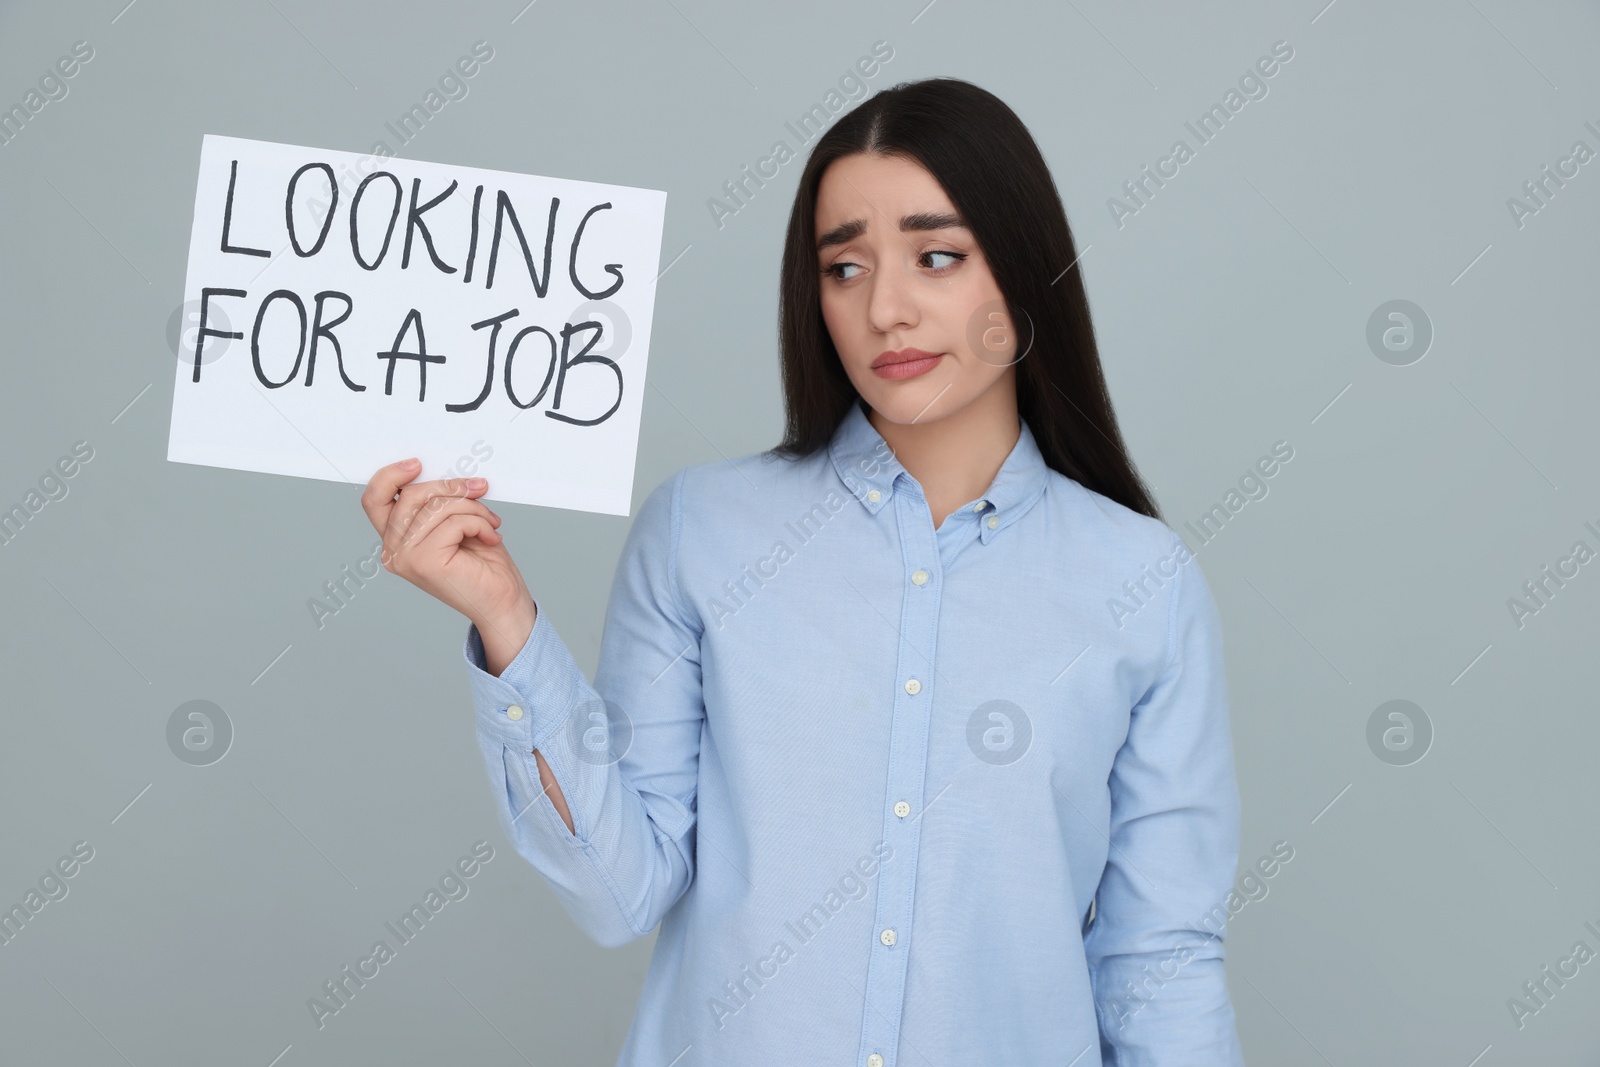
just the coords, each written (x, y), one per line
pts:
(476, 483)
(410, 463)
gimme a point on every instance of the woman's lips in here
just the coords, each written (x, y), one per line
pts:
(908, 369)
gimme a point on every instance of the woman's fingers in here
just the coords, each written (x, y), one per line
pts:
(440, 538)
(411, 524)
(378, 498)
(416, 497)
(391, 498)
(453, 529)
(468, 592)
(400, 539)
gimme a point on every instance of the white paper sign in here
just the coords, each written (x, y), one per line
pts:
(347, 311)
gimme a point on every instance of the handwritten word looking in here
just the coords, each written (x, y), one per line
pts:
(370, 254)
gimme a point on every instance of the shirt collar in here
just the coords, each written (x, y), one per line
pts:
(869, 469)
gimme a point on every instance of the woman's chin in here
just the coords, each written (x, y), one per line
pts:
(906, 403)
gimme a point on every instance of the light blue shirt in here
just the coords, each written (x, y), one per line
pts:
(868, 775)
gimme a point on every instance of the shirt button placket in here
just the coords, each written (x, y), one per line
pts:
(906, 767)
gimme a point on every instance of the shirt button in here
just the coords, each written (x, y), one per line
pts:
(887, 937)
(994, 520)
(902, 809)
(919, 577)
(978, 506)
(913, 686)
(874, 496)
(874, 1060)
(513, 713)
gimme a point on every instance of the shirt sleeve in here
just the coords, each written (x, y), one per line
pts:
(624, 751)
(1155, 945)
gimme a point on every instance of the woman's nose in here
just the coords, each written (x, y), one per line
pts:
(892, 303)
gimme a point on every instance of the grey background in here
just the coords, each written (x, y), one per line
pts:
(1231, 312)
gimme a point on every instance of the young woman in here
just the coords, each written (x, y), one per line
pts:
(911, 733)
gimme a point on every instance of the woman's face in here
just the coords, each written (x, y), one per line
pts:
(900, 271)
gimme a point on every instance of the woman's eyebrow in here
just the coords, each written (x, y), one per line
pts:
(921, 220)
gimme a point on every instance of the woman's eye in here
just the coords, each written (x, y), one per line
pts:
(837, 270)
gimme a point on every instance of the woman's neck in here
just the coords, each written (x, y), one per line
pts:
(955, 458)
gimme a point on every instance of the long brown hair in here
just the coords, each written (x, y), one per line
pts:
(988, 164)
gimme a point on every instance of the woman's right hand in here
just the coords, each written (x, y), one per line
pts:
(440, 538)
